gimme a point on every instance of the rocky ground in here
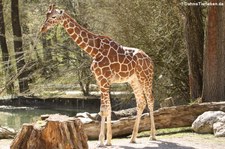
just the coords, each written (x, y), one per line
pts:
(170, 141)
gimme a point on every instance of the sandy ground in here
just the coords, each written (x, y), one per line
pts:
(174, 141)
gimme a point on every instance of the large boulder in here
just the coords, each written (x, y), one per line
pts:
(219, 128)
(210, 122)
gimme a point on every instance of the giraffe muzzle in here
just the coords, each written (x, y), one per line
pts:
(43, 29)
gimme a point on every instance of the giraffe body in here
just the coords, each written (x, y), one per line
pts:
(112, 63)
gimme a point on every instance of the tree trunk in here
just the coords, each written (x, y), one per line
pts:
(194, 36)
(47, 50)
(56, 132)
(84, 79)
(48, 59)
(18, 47)
(5, 53)
(84, 88)
(214, 55)
(171, 117)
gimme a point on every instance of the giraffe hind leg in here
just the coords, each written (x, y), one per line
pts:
(150, 103)
(145, 78)
(141, 103)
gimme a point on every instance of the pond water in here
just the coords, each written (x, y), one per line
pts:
(14, 117)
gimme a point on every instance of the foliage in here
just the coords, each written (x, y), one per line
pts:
(156, 28)
(153, 26)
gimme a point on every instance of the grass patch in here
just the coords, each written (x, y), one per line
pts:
(167, 131)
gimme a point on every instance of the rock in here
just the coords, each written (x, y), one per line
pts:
(7, 133)
(210, 122)
(126, 113)
(84, 114)
(87, 117)
(95, 116)
(204, 123)
(219, 129)
(55, 132)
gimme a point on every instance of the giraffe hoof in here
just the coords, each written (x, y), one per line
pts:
(108, 144)
(152, 138)
(133, 141)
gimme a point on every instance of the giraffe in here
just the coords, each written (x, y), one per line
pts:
(112, 63)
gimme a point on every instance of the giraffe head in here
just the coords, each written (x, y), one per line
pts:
(53, 17)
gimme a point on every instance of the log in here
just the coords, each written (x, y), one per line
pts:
(55, 132)
(170, 117)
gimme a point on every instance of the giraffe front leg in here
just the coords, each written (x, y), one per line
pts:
(105, 111)
(102, 131)
(109, 128)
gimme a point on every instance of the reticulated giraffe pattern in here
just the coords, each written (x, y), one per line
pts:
(112, 63)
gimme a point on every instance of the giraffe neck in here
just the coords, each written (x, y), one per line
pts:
(86, 40)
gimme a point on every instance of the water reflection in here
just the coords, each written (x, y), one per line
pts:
(14, 117)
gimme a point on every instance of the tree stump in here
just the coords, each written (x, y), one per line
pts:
(55, 132)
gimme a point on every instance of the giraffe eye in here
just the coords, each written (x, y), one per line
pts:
(53, 17)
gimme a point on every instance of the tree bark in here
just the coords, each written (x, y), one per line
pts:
(214, 55)
(47, 48)
(171, 117)
(48, 59)
(85, 88)
(56, 132)
(194, 36)
(84, 77)
(18, 46)
(5, 52)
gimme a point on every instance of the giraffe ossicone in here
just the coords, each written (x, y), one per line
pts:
(112, 63)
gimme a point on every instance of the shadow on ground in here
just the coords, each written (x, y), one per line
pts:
(150, 145)
(157, 145)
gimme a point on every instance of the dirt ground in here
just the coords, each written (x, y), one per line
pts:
(172, 141)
